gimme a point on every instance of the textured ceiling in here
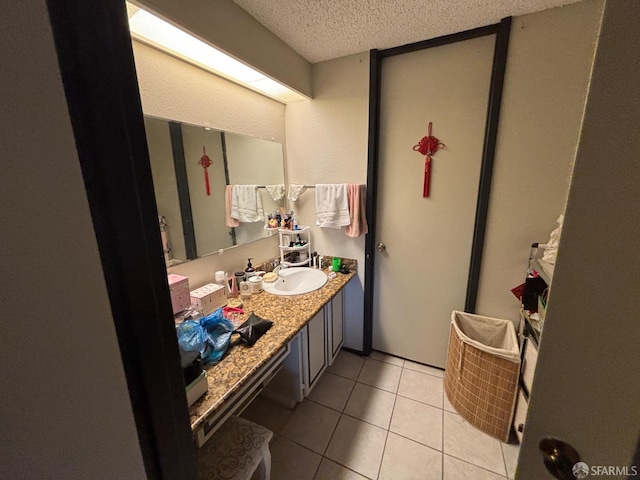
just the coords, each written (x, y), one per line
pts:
(325, 29)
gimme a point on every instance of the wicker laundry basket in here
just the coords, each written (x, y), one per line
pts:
(482, 370)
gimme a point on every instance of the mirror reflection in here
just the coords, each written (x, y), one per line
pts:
(191, 167)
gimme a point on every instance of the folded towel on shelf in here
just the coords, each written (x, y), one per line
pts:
(295, 191)
(246, 204)
(229, 221)
(356, 195)
(332, 208)
(276, 191)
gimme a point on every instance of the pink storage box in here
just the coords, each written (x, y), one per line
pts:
(179, 289)
(209, 298)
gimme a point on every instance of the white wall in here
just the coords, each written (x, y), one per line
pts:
(550, 57)
(65, 409)
(327, 143)
(172, 89)
(547, 77)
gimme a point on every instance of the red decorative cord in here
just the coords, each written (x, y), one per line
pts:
(206, 162)
(428, 146)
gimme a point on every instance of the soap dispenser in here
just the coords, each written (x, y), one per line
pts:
(249, 271)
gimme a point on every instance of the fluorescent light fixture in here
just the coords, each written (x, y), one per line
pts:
(158, 33)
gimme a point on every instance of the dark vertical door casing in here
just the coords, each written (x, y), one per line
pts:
(96, 62)
(184, 195)
(502, 31)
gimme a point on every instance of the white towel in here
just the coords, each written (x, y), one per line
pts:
(295, 191)
(276, 191)
(332, 206)
(246, 204)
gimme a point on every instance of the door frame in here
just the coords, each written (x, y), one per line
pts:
(502, 31)
(97, 67)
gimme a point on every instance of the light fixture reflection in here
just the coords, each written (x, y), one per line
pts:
(154, 31)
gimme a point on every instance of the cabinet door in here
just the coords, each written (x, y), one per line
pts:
(316, 357)
(336, 325)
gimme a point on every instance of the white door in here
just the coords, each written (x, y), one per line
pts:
(422, 275)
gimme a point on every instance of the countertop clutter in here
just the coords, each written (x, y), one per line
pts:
(289, 314)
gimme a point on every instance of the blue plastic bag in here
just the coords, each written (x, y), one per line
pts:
(210, 336)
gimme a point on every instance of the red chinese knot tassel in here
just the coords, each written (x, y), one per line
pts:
(206, 162)
(428, 146)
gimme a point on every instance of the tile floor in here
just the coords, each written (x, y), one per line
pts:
(379, 418)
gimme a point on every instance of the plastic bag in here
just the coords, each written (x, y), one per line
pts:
(210, 336)
(551, 251)
(251, 330)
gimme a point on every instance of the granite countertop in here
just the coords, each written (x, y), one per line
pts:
(289, 314)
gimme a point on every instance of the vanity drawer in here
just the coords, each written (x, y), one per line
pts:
(529, 364)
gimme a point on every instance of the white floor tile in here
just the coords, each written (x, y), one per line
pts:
(447, 404)
(418, 367)
(407, 460)
(455, 469)
(417, 421)
(464, 441)
(332, 391)
(421, 387)
(332, 471)
(371, 405)
(290, 461)
(347, 365)
(386, 358)
(510, 452)
(381, 375)
(267, 413)
(358, 446)
(311, 425)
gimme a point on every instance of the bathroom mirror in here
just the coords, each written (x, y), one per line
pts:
(191, 199)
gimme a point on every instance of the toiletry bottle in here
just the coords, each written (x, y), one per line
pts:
(249, 271)
(233, 288)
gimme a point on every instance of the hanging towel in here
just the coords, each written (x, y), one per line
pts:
(295, 191)
(246, 204)
(276, 191)
(356, 195)
(332, 208)
(229, 221)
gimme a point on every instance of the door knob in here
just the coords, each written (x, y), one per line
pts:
(381, 247)
(562, 460)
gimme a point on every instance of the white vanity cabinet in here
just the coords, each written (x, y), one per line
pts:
(314, 349)
(311, 352)
(335, 322)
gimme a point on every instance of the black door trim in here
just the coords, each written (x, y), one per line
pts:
(96, 62)
(501, 30)
(184, 195)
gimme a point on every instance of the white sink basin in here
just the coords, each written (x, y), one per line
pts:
(296, 280)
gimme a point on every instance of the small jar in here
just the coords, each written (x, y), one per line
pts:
(256, 284)
(245, 290)
(240, 277)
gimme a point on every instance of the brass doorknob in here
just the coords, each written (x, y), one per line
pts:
(561, 459)
(381, 247)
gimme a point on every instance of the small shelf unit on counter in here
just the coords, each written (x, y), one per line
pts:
(288, 246)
